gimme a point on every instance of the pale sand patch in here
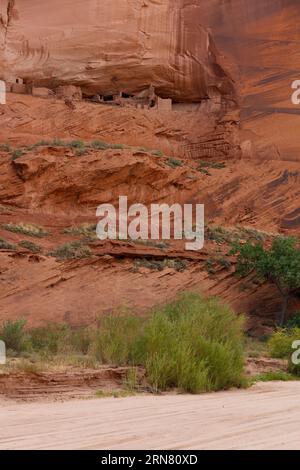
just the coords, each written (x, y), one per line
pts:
(267, 416)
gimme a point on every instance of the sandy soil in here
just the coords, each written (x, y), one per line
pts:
(264, 417)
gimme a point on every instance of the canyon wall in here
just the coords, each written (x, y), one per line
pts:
(260, 39)
(190, 51)
(108, 46)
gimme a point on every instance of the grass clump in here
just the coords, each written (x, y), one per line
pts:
(13, 335)
(212, 265)
(277, 375)
(99, 145)
(157, 153)
(159, 265)
(31, 230)
(174, 163)
(30, 246)
(115, 340)
(17, 154)
(213, 165)
(68, 251)
(85, 230)
(204, 171)
(76, 144)
(52, 339)
(4, 245)
(219, 235)
(57, 143)
(58, 339)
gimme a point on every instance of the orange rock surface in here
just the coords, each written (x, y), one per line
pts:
(228, 66)
(111, 46)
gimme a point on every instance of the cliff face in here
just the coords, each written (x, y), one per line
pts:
(260, 39)
(108, 46)
(247, 51)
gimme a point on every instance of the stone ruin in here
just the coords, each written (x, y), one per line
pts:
(145, 99)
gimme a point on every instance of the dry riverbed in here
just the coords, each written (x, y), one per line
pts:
(265, 416)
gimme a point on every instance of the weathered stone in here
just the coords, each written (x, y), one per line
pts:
(42, 92)
(69, 92)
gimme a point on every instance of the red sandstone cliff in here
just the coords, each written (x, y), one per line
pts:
(109, 46)
(218, 54)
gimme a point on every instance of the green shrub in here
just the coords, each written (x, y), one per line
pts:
(57, 143)
(114, 341)
(219, 235)
(86, 230)
(75, 250)
(277, 375)
(214, 165)
(204, 171)
(30, 246)
(4, 245)
(160, 264)
(193, 344)
(31, 230)
(76, 144)
(174, 162)
(52, 338)
(280, 343)
(99, 145)
(17, 154)
(13, 335)
(278, 264)
(157, 153)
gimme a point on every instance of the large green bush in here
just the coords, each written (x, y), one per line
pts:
(194, 344)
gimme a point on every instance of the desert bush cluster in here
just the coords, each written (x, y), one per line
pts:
(192, 344)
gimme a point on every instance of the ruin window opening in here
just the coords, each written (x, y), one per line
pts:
(108, 98)
(126, 95)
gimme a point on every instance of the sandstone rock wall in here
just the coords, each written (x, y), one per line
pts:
(189, 50)
(109, 46)
(260, 39)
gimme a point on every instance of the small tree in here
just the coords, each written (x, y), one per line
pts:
(279, 265)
